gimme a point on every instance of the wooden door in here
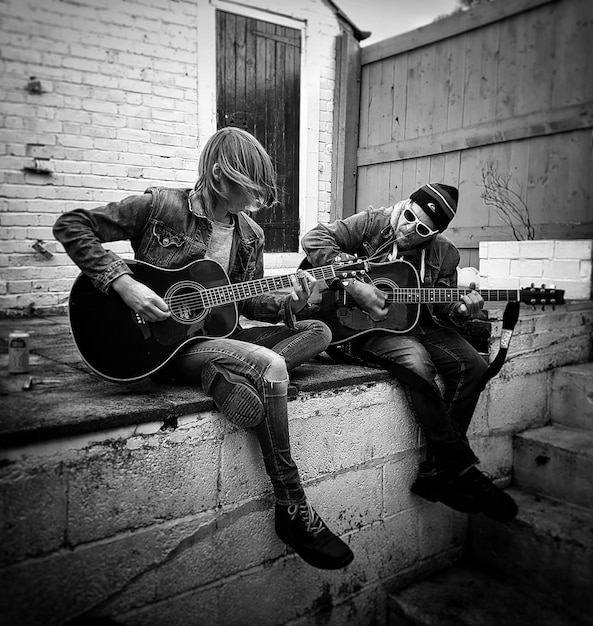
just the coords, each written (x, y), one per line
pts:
(258, 89)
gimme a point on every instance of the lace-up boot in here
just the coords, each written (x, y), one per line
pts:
(493, 501)
(305, 532)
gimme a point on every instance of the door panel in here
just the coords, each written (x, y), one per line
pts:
(258, 89)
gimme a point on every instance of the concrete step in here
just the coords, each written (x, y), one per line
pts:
(571, 399)
(548, 547)
(555, 461)
(468, 596)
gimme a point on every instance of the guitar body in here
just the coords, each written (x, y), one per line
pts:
(121, 346)
(346, 321)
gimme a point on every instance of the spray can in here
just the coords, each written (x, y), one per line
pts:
(18, 352)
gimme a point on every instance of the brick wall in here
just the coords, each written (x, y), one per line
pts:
(121, 107)
(517, 264)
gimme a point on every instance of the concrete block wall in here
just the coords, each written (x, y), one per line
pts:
(517, 264)
(151, 525)
(126, 100)
(147, 524)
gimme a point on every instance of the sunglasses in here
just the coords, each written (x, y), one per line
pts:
(422, 229)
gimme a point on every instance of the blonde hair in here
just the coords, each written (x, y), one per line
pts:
(243, 161)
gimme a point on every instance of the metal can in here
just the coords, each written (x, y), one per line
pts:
(18, 352)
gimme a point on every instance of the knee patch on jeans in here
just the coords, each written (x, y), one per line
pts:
(234, 396)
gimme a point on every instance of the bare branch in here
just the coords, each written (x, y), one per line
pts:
(509, 205)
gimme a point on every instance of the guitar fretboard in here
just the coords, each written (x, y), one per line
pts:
(442, 295)
(225, 294)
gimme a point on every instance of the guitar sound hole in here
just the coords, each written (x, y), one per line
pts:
(185, 303)
(387, 286)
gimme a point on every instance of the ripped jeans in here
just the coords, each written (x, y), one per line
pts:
(263, 356)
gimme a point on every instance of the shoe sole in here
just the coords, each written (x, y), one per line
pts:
(314, 562)
(238, 401)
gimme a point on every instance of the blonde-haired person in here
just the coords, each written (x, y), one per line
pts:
(246, 373)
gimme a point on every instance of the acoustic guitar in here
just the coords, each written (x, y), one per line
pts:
(120, 345)
(399, 280)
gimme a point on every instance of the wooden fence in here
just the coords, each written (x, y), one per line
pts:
(505, 89)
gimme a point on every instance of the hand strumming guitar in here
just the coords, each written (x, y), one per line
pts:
(369, 298)
(141, 299)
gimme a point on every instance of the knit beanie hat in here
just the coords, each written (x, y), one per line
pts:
(439, 201)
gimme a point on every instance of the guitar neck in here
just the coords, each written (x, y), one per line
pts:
(235, 292)
(443, 295)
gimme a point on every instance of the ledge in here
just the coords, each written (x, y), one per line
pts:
(68, 399)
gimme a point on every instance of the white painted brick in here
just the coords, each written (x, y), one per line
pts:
(576, 249)
(496, 267)
(527, 268)
(580, 290)
(503, 249)
(536, 249)
(570, 269)
(500, 282)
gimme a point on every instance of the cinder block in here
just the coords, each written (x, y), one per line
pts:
(242, 472)
(495, 454)
(398, 476)
(567, 268)
(557, 462)
(70, 582)
(499, 249)
(571, 396)
(574, 249)
(112, 488)
(543, 249)
(440, 529)
(34, 511)
(527, 270)
(513, 403)
(348, 501)
(495, 267)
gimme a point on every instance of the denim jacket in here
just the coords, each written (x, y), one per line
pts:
(167, 228)
(370, 234)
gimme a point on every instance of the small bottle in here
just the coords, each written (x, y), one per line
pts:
(18, 352)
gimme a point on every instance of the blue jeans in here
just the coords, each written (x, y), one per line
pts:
(415, 359)
(263, 355)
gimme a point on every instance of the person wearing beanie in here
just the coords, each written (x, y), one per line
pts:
(412, 231)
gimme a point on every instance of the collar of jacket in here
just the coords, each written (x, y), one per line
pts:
(248, 229)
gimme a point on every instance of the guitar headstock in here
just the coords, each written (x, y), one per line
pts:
(540, 295)
(350, 269)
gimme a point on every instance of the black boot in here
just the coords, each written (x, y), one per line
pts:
(305, 532)
(493, 501)
(440, 485)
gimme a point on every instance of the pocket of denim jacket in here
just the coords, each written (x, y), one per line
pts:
(166, 237)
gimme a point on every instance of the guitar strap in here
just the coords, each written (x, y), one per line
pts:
(509, 320)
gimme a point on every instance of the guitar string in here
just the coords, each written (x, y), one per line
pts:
(216, 296)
